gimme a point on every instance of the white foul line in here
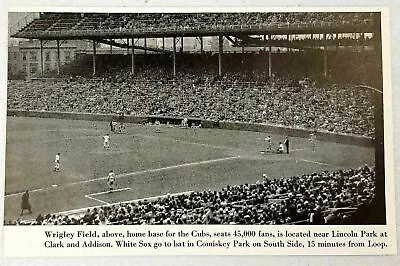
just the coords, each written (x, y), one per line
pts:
(20, 193)
(101, 201)
(134, 173)
(123, 202)
(105, 192)
(314, 162)
(157, 169)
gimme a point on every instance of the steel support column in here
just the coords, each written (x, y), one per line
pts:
(58, 57)
(182, 44)
(220, 50)
(94, 58)
(269, 57)
(242, 60)
(265, 41)
(337, 43)
(325, 58)
(133, 57)
(174, 55)
(362, 42)
(41, 58)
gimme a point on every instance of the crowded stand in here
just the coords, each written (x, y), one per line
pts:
(241, 94)
(317, 41)
(179, 21)
(337, 197)
(334, 108)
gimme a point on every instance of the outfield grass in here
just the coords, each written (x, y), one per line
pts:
(147, 163)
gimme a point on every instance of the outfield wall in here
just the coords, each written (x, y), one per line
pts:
(273, 129)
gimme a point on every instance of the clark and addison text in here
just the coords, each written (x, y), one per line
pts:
(223, 239)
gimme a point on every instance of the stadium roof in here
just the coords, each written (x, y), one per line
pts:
(52, 26)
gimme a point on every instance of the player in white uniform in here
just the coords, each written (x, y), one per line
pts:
(184, 122)
(158, 126)
(269, 144)
(312, 140)
(111, 181)
(57, 162)
(280, 147)
(106, 143)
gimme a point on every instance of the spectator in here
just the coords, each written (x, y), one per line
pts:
(25, 205)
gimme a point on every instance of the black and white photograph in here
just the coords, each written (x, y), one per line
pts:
(219, 118)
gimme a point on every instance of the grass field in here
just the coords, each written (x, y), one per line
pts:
(146, 163)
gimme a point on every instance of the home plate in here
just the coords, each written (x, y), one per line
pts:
(54, 185)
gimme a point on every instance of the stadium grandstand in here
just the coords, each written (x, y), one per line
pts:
(298, 72)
